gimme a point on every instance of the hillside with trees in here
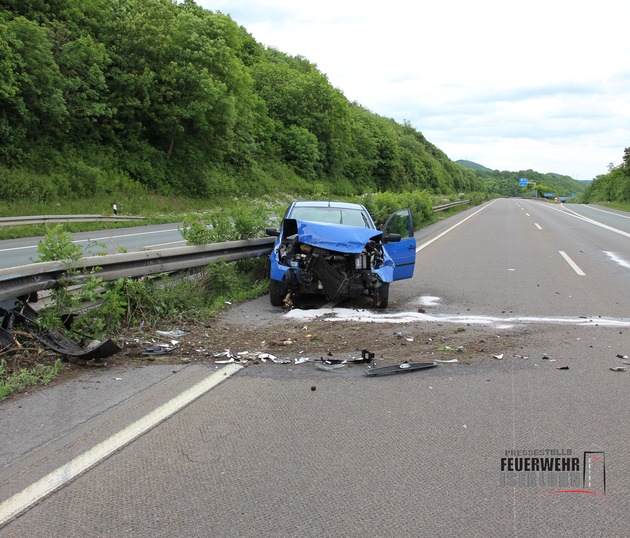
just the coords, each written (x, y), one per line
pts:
(112, 97)
(613, 186)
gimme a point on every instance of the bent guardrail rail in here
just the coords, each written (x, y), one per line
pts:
(27, 279)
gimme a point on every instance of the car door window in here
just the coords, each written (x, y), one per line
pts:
(399, 223)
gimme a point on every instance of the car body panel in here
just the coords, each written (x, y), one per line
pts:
(337, 237)
(403, 252)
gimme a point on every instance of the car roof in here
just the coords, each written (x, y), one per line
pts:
(323, 203)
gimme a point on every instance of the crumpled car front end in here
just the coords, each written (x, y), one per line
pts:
(335, 260)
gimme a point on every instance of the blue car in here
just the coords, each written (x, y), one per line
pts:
(335, 249)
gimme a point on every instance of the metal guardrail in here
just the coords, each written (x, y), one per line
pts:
(27, 279)
(44, 219)
(449, 205)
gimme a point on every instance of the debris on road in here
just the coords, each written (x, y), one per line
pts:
(562, 367)
(16, 312)
(329, 366)
(618, 369)
(458, 349)
(499, 357)
(159, 349)
(399, 368)
(175, 333)
(448, 361)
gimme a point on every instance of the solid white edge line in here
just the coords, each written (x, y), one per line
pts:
(570, 213)
(426, 244)
(31, 495)
(573, 265)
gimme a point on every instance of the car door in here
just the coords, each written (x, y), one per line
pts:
(403, 252)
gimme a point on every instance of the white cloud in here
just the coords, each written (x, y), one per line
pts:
(541, 84)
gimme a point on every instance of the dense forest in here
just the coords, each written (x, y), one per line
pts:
(99, 95)
(107, 97)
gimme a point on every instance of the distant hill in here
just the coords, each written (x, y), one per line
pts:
(507, 182)
(472, 165)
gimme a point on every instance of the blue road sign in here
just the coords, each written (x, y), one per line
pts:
(522, 182)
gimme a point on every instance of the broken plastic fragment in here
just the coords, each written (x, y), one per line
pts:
(301, 360)
(398, 368)
(446, 360)
(328, 367)
(498, 356)
(562, 367)
(159, 349)
(618, 369)
(176, 333)
(459, 349)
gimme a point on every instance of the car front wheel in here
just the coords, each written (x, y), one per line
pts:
(381, 295)
(276, 292)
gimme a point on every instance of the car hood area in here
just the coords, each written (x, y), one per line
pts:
(335, 237)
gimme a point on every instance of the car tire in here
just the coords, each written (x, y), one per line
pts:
(276, 292)
(381, 295)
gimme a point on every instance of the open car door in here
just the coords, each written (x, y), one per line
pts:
(403, 252)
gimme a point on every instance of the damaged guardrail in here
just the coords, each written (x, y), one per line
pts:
(27, 279)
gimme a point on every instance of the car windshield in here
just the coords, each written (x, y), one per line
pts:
(332, 215)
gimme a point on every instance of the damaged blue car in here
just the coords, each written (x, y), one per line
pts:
(335, 249)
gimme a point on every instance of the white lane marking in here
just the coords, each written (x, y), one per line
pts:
(571, 213)
(26, 498)
(17, 248)
(158, 245)
(617, 259)
(370, 316)
(424, 245)
(573, 265)
(538, 225)
(609, 212)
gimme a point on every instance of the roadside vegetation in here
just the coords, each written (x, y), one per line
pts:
(613, 188)
(15, 378)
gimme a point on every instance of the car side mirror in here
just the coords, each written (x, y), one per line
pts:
(392, 238)
(273, 232)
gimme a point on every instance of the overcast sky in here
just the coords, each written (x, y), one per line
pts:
(542, 84)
